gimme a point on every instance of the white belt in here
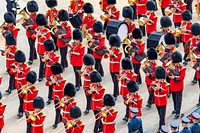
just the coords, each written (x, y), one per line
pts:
(96, 99)
(36, 125)
(20, 78)
(30, 101)
(177, 14)
(40, 43)
(1, 116)
(114, 62)
(108, 122)
(159, 95)
(48, 66)
(87, 80)
(141, 4)
(57, 90)
(65, 112)
(123, 86)
(9, 59)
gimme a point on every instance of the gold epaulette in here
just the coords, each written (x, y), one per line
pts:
(27, 67)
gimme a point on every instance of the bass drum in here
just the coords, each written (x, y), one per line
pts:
(155, 38)
(117, 27)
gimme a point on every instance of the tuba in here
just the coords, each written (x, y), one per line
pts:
(60, 30)
(146, 66)
(197, 7)
(178, 32)
(132, 2)
(160, 47)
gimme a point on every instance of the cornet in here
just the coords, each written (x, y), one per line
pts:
(46, 57)
(92, 89)
(122, 76)
(54, 81)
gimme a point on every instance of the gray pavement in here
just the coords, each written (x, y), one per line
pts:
(149, 117)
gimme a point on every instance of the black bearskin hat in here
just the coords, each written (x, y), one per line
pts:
(63, 15)
(160, 72)
(108, 100)
(20, 56)
(49, 45)
(165, 22)
(51, 3)
(95, 77)
(114, 40)
(56, 68)
(127, 12)
(31, 77)
(9, 17)
(10, 39)
(176, 57)
(77, 35)
(169, 39)
(32, 6)
(38, 102)
(198, 46)
(186, 15)
(75, 112)
(126, 64)
(152, 54)
(88, 8)
(88, 59)
(69, 90)
(151, 5)
(132, 86)
(136, 33)
(195, 28)
(41, 20)
(98, 27)
(111, 2)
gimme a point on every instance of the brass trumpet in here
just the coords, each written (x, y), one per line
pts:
(132, 2)
(104, 17)
(121, 76)
(46, 57)
(71, 123)
(168, 11)
(33, 116)
(178, 32)
(92, 89)
(143, 21)
(54, 81)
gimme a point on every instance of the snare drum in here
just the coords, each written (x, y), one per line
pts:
(76, 20)
(117, 27)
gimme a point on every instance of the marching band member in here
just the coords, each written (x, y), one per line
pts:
(103, 4)
(128, 14)
(89, 62)
(76, 56)
(177, 76)
(75, 125)
(63, 18)
(165, 23)
(132, 4)
(9, 52)
(112, 12)
(52, 16)
(135, 123)
(137, 42)
(88, 21)
(115, 56)
(33, 8)
(141, 9)
(195, 128)
(20, 70)
(174, 127)
(133, 99)
(164, 4)
(194, 41)
(9, 19)
(49, 58)
(150, 75)
(185, 125)
(151, 17)
(76, 6)
(97, 91)
(98, 29)
(161, 89)
(186, 35)
(37, 117)
(58, 83)
(29, 91)
(42, 34)
(2, 110)
(108, 114)
(67, 102)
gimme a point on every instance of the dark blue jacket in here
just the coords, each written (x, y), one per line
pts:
(195, 128)
(186, 130)
(135, 125)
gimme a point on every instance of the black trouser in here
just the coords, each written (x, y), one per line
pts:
(195, 77)
(142, 28)
(105, 25)
(88, 100)
(32, 53)
(63, 54)
(99, 67)
(136, 68)
(98, 122)
(189, 5)
(116, 84)
(21, 102)
(41, 68)
(50, 92)
(126, 54)
(28, 128)
(199, 87)
(55, 40)
(77, 76)
(151, 96)
(161, 113)
(134, 12)
(185, 55)
(177, 99)
(89, 51)
(163, 11)
(11, 81)
(177, 25)
(127, 111)
(58, 114)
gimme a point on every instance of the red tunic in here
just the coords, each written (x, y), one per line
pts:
(89, 21)
(114, 12)
(196, 52)
(149, 80)
(165, 3)
(131, 26)
(135, 101)
(51, 15)
(97, 97)
(77, 60)
(115, 59)
(75, 7)
(141, 7)
(178, 86)
(177, 16)
(194, 42)
(2, 110)
(86, 75)
(10, 56)
(141, 50)
(101, 45)
(52, 57)
(104, 4)
(28, 99)
(127, 77)
(68, 34)
(14, 30)
(76, 129)
(20, 74)
(37, 125)
(187, 26)
(160, 97)
(46, 35)
(151, 26)
(33, 27)
(109, 121)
